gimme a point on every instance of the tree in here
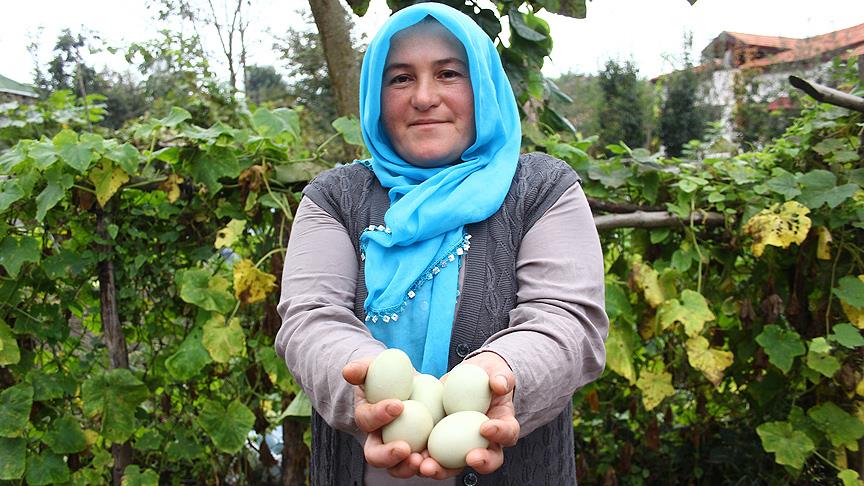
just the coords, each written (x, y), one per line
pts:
(682, 116)
(264, 84)
(334, 28)
(586, 101)
(621, 115)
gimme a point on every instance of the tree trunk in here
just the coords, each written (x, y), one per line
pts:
(334, 30)
(112, 334)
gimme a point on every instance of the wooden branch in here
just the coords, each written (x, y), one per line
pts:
(824, 94)
(655, 219)
(613, 207)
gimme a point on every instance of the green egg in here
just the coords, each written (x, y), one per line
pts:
(454, 436)
(413, 426)
(467, 388)
(390, 375)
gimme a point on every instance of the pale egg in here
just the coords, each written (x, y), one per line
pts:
(467, 388)
(413, 426)
(429, 391)
(390, 375)
(454, 436)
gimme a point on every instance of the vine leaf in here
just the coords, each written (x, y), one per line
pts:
(15, 252)
(74, 154)
(276, 122)
(46, 468)
(519, 22)
(42, 154)
(849, 477)
(213, 164)
(227, 427)
(276, 370)
(134, 476)
(189, 359)
(114, 394)
(819, 358)
(171, 186)
(50, 386)
(197, 287)
(619, 351)
(65, 436)
(175, 117)
(15, 404)
(783, 183)
(227, 236)
(790, 447)
(12, 455)
(845, 335)
(9, 352)
(223, 341)
(55, 190)
(184, 447)
(646, 278)
(349, 128)
(823, 248)
(711, 362)
(107, 179)
(126, 156)
(692, 311)
(250, 284)
(841, 428)
(10, 191)
(778, 226)
(851, 290)
(655, 387)
(781, 345)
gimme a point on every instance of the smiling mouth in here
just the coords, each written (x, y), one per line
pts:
(427, 122)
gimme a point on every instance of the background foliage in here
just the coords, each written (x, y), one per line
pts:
(735, 353)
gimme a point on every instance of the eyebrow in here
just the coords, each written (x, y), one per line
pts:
(440, 62)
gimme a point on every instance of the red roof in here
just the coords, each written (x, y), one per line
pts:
(812, 47)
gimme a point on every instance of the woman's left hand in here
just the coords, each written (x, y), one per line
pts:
(502, 428)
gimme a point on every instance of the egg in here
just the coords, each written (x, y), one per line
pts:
(454, 436)
(413, 426)
(390, 375)
(467, 388)
(429, 391)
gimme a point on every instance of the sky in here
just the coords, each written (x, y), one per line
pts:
(648, 32)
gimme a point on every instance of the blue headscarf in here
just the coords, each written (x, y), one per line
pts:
(412, 262)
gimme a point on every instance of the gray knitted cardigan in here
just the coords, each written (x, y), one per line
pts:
(352, 195)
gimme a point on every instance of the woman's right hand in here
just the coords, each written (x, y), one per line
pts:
(395, 456)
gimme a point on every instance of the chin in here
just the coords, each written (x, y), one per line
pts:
(432, 160)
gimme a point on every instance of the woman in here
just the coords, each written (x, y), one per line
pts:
(450, 246)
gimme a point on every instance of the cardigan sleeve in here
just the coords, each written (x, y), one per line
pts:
(320, 333)
(554, 342)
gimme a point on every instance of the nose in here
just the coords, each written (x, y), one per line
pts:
(426, 94)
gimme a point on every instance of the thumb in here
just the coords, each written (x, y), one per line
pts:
(502, 383)
(355, 372)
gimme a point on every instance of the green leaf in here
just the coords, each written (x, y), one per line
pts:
(276, 369)
(10, 191)
(519, 24)
(184, 447)
(167, 154)
(223, 341)
(212, 165)
(829, 145)
(228, 427)
(841, 428)
(12, 454)
(359, 7)
(790, 446)
(276, 122)
(572, 8)
(9, 352)
(692, 311)
(74, 154)
(781, 345)
(15, 404)
(114, 394)
(198, 288)
(176, 117)
(50, 386)
(43, 155)
(15, 252)
(54, 192)
(126, 156)
(851, 291)
(189, 359)
(300, 408)
(837, 195)
(819, 358)
(65, 436)
(620, 347)
(847, 335)
(150, 440)
(298, 171)
(46, 468)
(349, 128)
(849, 477)
(11, 158)
(784, 184)
(134, 476)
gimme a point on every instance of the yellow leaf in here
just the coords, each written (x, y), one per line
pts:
(778, 226)
(855, 314)
(107, 180)
(90, 437)
(655, 387)
(692, 311)
(228, 235)
(250, 284)
(171, 186)
(711, 362)
(619, 351)
(860, 388)
(823, 249)
(647, 280)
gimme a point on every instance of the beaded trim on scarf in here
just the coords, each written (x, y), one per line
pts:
(392, 313)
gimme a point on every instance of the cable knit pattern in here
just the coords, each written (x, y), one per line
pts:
(353, 197)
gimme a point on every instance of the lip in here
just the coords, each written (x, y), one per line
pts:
(424, 121)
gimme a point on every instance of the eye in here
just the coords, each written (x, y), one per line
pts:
(400, 79)
(450, 74)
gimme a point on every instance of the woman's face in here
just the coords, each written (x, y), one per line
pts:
(427, 104)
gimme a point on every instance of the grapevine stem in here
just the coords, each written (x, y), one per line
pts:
(820, 456)
(830, 292)
(267, 255)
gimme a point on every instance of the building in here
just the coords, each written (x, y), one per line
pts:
(14, 91)
(760, 65)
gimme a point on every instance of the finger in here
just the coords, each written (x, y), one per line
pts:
(355, 371)
(373, 416)
(383, 455)
(502, 383)
(407, 468)
(431, 469)
(501, 431)
(485, 461)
